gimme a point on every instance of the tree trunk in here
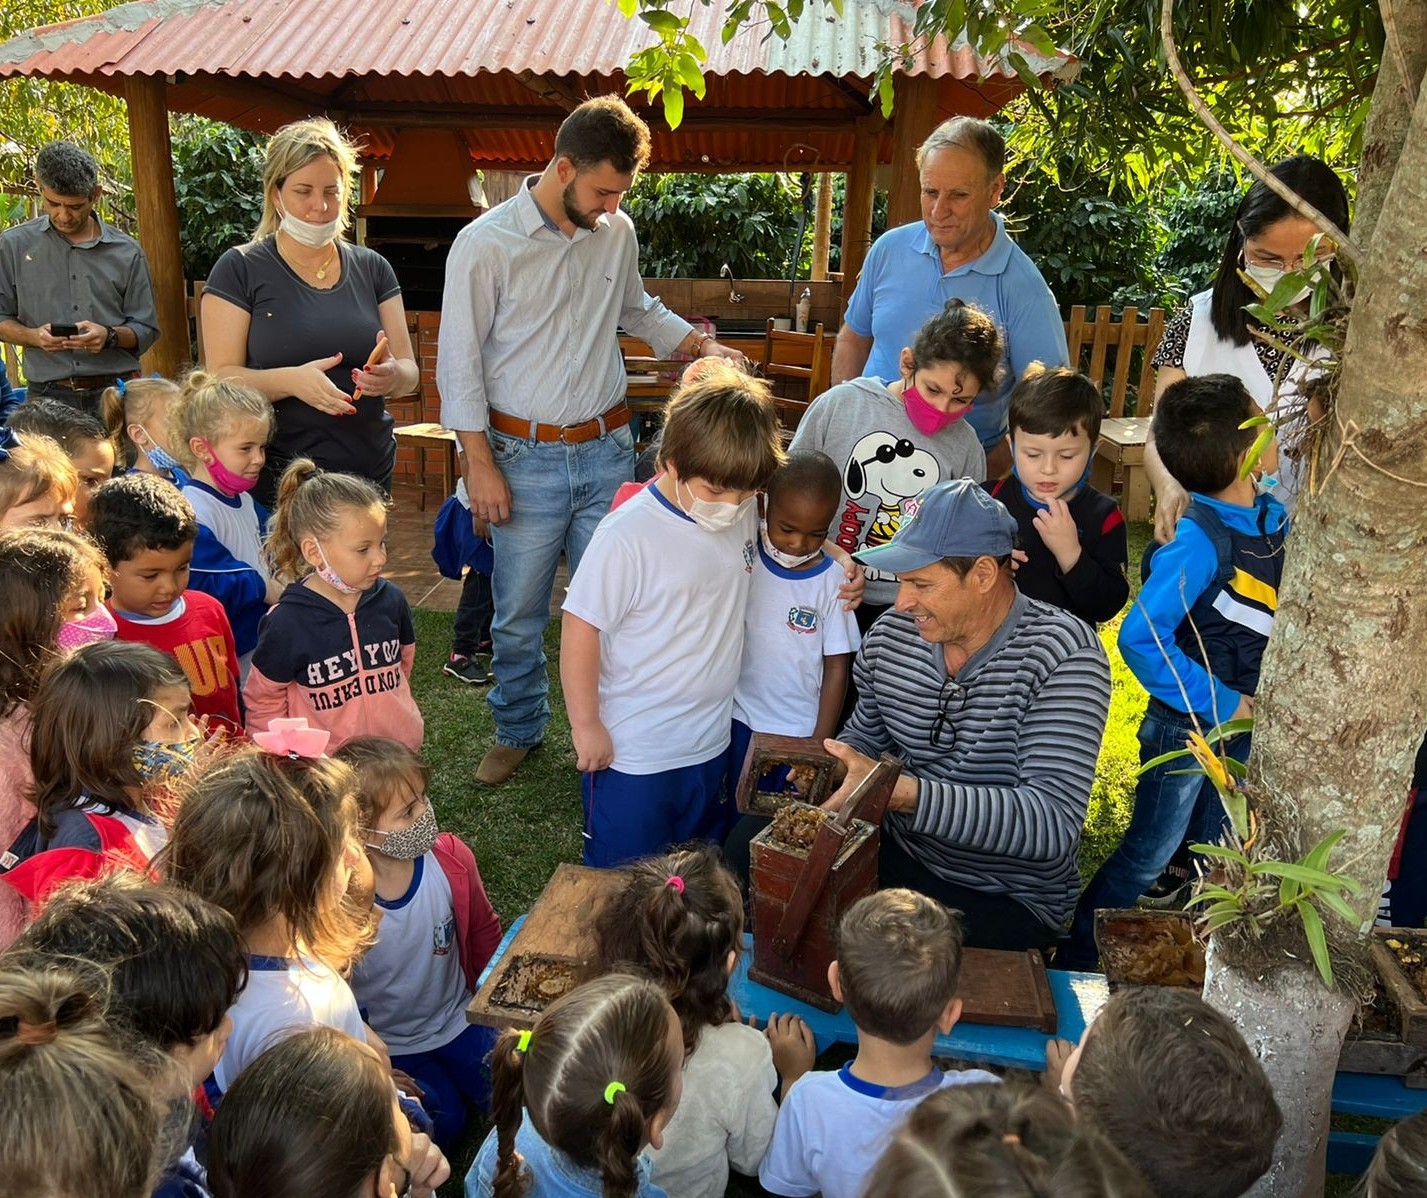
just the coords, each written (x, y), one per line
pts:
(1391, 112)
(1288, 1008)
(1343, 699)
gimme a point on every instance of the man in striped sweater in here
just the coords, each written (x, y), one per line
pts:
(996, 705)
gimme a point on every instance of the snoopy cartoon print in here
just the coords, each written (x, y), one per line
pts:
(890, 470)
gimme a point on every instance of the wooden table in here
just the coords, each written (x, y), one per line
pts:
(1122, 445)
(557, 926)
(433, 438)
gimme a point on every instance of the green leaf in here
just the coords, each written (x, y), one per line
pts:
(1288, 891)
(1155, 763)
(674, 105)
(665, 24)
(1229, 728)
(1317, 941)
(1256, 451)
(690, 75)
(1317, 879)
(627, 8)
(695, 47)
(884, 93)
(1337, 904)
(1318, 855)
(1222, 851)
(1212, 923)
(1023, 68)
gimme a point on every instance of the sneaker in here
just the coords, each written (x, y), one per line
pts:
(470, 670)
(1169, 892)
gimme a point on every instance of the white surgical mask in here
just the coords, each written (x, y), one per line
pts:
(711, 516)
(305, 233)
(1268, 278)
(787, 560)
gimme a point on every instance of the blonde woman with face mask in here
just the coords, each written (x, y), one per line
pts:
(313, 322)
(1213, 334)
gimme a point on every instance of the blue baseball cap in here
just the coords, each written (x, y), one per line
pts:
(952, 519)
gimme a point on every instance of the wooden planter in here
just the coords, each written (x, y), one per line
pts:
(1149, 948)
(800, 891)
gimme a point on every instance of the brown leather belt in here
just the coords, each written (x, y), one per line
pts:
(86, 382)
(570, 434)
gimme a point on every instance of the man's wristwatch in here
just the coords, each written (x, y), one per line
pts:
(698, 349)
(112, 340)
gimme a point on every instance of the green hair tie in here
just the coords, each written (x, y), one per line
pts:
(612, 1089)
(523, 1044)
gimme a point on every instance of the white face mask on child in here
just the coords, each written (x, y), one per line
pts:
(787, 560)
(711, 516)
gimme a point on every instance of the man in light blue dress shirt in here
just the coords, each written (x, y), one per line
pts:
(958, 250)
(533, 383)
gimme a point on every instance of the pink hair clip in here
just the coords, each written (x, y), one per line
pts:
(676, 882)
(292, 738)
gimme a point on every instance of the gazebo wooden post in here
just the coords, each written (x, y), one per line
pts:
(822, 229)
(857, 204)
(157, 206)
(913, 117)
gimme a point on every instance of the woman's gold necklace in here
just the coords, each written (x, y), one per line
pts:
(321, 271)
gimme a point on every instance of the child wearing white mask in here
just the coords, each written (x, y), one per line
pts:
(652, 639)
(798, 641)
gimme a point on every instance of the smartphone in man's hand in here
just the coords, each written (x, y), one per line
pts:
(64, 330)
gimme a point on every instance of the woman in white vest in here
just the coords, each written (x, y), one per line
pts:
(1213, 334)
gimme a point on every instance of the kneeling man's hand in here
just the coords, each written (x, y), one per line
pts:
(858, 766)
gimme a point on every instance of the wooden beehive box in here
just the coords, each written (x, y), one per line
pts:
(550, 952)
(808, 867)
(780, 769)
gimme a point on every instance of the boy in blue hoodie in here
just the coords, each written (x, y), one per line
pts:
(1195, 636)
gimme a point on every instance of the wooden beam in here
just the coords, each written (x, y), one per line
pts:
(550, 89)
(292, 103)
(533, 117)
(860, 100)
(914, 116)
(157, 209)
(822, 227)
(857, 204)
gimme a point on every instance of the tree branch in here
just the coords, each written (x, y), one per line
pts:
(1389, 24)
(1347, 250)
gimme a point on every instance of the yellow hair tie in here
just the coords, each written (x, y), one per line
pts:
(523, 1044)
(612, 1089)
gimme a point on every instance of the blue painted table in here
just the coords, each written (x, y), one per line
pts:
(1078, 998)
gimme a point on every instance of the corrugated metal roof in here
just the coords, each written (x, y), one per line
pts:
(326, 38)
(257, 63)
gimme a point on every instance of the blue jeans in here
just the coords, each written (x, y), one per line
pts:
(1169, 804)
(558, 494)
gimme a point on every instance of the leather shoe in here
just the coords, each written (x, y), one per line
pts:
(499, 763)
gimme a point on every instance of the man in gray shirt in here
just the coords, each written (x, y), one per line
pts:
(74, 292)
(996, 705)
(533, 383)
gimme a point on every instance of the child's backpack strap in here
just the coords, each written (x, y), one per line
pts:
(1212, 527)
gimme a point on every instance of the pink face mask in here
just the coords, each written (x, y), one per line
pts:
(929, 420)
(98, 625)
(226, 481)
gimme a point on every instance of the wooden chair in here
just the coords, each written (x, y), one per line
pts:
(804, 357)
(1121, 449)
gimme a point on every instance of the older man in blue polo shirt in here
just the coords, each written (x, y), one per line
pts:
(958, 250)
